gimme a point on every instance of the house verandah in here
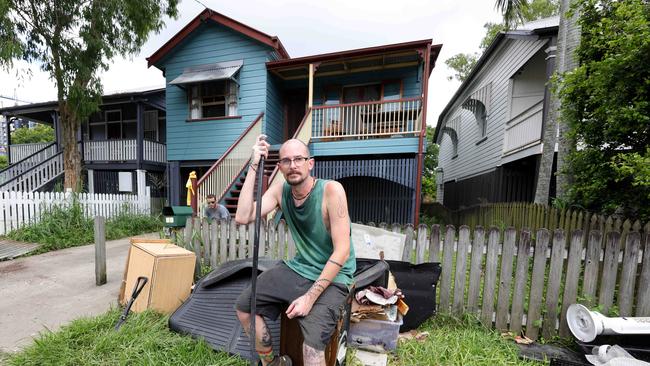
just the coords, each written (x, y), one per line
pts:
(122, 146)
(361, 112)
(367, 111)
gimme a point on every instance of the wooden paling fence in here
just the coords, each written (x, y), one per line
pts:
(536, 216)
(521, 281)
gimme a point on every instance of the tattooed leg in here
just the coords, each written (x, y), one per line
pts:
(263, 341)
(312, 356)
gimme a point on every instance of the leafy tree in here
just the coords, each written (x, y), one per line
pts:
(515, 12)
(606, 105)
(462, 64)
(4, 161)
(73, 40)
(430, 163)
(39, 133)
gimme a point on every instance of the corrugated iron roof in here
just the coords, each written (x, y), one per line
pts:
(209, 72)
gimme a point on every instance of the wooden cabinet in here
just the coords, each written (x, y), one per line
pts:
(169, 269)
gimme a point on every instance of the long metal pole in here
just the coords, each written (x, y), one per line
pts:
(256, 247)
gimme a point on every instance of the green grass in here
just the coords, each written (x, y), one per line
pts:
(454, 341)
(145, 339)
(64, 227)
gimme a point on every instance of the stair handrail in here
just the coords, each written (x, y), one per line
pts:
(33, 168)
(303, 133)
(229, 166)
(23, 160)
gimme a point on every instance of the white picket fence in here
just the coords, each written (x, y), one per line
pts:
(18, 209)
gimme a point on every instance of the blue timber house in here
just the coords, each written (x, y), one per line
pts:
(362, 113)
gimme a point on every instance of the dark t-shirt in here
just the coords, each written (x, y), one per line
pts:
(219, 212)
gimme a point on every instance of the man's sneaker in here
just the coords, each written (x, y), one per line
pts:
(281, 361)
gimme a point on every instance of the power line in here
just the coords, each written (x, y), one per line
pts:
(14, 99)
(201, 4)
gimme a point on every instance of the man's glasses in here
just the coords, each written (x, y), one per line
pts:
(211, 202)
(298, 160)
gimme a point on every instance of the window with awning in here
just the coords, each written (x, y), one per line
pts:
(212, 89)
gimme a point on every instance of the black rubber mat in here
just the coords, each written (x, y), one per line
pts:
(209, 313)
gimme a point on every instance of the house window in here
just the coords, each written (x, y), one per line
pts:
(213, 99)
(114, 115)
(480, 114)
(392, 90)
(151, 125)
(451, 129)
(361, 93)
(478, 103)
(453, 136)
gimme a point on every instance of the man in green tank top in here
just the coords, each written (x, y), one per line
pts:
(315, 283)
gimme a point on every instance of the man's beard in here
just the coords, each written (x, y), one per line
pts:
(299, 180)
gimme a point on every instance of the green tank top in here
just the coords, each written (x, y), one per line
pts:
(313, 241)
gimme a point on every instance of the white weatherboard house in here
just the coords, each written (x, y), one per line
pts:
(490, 132)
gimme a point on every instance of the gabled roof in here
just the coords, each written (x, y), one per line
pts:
(535, 28)
(33, 111)
(355, 53)
(209, 14)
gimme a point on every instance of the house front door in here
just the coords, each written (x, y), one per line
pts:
(294, 111)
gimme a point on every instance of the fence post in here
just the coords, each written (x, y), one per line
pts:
(100, 251)
(141, 189)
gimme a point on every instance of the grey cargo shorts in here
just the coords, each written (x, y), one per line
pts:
(279, 286)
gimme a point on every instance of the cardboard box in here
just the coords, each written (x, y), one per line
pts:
(169, 268)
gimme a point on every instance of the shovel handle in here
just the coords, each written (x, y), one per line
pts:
(256, 247)
(139, 285)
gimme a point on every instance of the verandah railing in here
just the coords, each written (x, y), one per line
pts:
(154, 151)
(37, 176)
(21, 151)
(511, 280)
(110, 150)
(367, 119)
(19, 166)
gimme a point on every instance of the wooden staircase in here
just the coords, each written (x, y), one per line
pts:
(233, 198)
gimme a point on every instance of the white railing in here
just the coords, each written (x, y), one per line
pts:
(37, 176)
(21, 151)
(525, 129)
(28, 162)
(154, 151)
(366, 120)
(221, 175)
(110, 150)
(18, 209)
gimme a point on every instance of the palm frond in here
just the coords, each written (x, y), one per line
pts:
(512, 11)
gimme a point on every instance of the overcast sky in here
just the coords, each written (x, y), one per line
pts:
(305, 28)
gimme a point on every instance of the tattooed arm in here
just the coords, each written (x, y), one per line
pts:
(339, 226)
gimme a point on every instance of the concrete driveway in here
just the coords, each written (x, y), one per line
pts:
(44, 292)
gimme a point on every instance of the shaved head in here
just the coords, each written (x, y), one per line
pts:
(294, 147)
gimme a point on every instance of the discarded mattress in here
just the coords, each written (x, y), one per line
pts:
(209, 312)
